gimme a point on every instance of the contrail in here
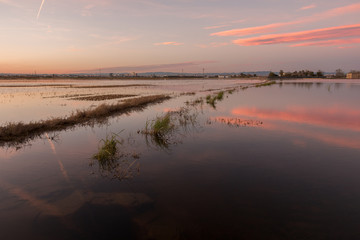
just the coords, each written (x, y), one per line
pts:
(42, 3)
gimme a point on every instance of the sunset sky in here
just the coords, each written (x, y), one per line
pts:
(68, 36)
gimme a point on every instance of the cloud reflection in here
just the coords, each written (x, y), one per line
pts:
(335, 117)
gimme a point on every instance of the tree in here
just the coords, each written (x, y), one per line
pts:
(339, 73)
(281, 73)
(320, 74)
(272, 75)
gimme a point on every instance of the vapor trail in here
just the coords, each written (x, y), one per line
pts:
(42, 3)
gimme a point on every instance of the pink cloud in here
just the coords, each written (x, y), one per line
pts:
(308, 7)
(169, 43)
(253, 30)
(353, 8)
(341, 10)
(214, 27)
(214, 45)
(154, 67)
(311, 35)
(329, 42)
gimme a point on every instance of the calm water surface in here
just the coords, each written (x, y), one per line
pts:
(276, 162)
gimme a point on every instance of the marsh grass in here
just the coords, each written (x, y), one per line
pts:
(110, 86)
(113, 160)
(235, 122)
(160, 130)
(102, 97)
(211, 100)
(169, 128)
(108, 150)
(220, 96)
(162, 125)
(16, 133)
(266, 83)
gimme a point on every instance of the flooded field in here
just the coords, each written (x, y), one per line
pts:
(230, 159)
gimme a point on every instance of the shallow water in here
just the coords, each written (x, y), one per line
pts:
(34, 100)
(276, 162)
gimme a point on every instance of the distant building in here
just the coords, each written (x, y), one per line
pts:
(353, 75)
(223, 76)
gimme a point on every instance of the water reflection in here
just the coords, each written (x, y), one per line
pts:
(337, 117)
(235, 122)
(261, 169)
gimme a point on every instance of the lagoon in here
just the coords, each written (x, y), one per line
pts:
(271, 162)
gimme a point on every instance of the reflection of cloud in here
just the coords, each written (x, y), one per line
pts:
(42, 205)
(73, 202)
(331, 139)
(236, 122)
(61, 165)
(335, 117)
(154, 67)
(7, 155)
(311, 35)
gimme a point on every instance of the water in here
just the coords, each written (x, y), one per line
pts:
(276, 162)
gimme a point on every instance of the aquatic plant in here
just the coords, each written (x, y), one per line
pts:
(220, 96)
(114, 162)
(162, 125)
(108, 150)
(167, 129)
(211, 100)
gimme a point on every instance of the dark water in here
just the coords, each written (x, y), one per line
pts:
(276, 162)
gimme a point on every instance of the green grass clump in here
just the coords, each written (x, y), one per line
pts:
(220, 96)
(162, 125)
(108, 150)
(211, 100)
(160, 130)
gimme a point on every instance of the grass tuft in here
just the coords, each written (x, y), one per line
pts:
(108, 150)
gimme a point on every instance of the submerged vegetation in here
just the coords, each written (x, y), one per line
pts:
(211, 100)
(114, 162)
(266, 83)
(21, 132)
(108, 150)
(102, 97)
(169, 128)
(235, 122)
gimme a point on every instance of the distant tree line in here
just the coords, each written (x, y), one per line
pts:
(297, 74)
(339, 73)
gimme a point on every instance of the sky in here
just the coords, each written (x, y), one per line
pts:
(72, 36)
